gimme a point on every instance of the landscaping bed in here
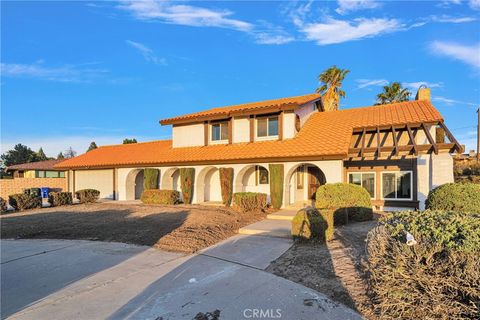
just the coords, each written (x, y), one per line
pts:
(334, 269)
(184, 228)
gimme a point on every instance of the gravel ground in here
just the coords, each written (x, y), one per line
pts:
(184, 228)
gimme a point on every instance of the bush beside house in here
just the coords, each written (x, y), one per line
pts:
(87, 195)
(60, 198)
(250, 201)
(276, 185)
(436, 278)
(156, 196)
(187, 177)
(3, 205)
(150, 178)
(349, 201)
(226, 185)
(463, 197)
(22, 201)
(310, 224)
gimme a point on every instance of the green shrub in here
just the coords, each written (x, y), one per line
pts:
(60, 198)
(187, 176)
(436, 278)
(310, 224)
(276, 185)
(250, 201)
(23, 201)
(3, 205)
(87, 195)
(342, 197)
(156, 196)
(464, 197)
(226, 185)
(150, 178)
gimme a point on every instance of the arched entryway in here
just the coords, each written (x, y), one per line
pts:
(208, 185)
(171, 179)
(134, 184)
(253, 178)
(302, 182)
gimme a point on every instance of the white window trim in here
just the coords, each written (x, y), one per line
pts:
(374, 185)
(266, 138)
(397, 199)
(210, 140)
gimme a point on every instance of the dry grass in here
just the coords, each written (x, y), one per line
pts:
(184, 228)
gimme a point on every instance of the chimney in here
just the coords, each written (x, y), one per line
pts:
(423, 93)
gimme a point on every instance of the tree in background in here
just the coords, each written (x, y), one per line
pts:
(331, 80)
(128, 141)
(92, 146)
(19, 154)
(69, 153)
(393, 93)
(41, 156)
(60, 156)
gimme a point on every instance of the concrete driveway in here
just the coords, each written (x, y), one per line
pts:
(65, 279)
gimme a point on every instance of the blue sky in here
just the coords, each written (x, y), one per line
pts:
(75, 72)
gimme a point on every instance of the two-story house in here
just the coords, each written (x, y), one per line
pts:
(397, 152)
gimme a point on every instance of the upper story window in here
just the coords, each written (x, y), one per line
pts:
(219, 131)
(267, 127)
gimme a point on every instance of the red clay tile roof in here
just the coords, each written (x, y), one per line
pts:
(281, 103)
(324, 135)
(39, 165)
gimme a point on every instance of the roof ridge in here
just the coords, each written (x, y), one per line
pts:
(136, 143)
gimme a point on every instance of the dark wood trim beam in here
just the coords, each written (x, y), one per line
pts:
(430, 138)
(450, 136)
(412, 140)
(379, 149)
(395, 142)
(205, 133)
(280, 126)
(252, 128)
(230, 130)
(389, 127)
(363, 143)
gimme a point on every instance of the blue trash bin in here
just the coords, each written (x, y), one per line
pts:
(45, 191)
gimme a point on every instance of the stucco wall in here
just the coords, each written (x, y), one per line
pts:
(17, 185)
(305, 112)
(188, 135)
(289, 125)
(101, 180)
(241, 130)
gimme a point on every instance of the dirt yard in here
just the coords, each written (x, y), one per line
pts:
(175, 228)
(334, 269)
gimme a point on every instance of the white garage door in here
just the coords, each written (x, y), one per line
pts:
(101, 180)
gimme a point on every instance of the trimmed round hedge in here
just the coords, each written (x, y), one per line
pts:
(350, 201)
(462, 197)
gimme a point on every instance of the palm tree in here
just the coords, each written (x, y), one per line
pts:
(393, 93)
(331, 88)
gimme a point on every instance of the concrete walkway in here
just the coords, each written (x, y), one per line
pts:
(278, 224)
(61, 279)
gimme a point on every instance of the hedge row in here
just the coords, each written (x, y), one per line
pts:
(156, 196)
(3, 205)
(463, 197)
(250, 201)
(22, 201)
(436, 278)
(60, 198)
(87, 195)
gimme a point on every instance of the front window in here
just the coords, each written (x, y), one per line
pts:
(261, 175)
(397, 185)
(365, 180)
(220, 131)
(267, 127)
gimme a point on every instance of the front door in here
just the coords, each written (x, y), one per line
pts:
(315, 179)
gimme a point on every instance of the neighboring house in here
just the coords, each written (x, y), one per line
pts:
(390, 150)
(39, 169)
(33, 175)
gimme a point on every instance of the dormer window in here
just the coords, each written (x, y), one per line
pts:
(219, 132)
(267, 127)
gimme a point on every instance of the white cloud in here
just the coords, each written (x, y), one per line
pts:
(147, 53)
(364, 83)
(346, 6)
(65, 73)
(469, 54)
(167, 12)
(451, 102)
(450, 19)
(474, 4)
(416, 85)
(337, 31)
(270, 38)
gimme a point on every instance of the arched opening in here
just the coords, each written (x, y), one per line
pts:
(208, 185)
(253, 178)
(134, 184)
(171, 179)
(302, 183)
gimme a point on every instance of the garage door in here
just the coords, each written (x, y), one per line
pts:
(101, 180)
